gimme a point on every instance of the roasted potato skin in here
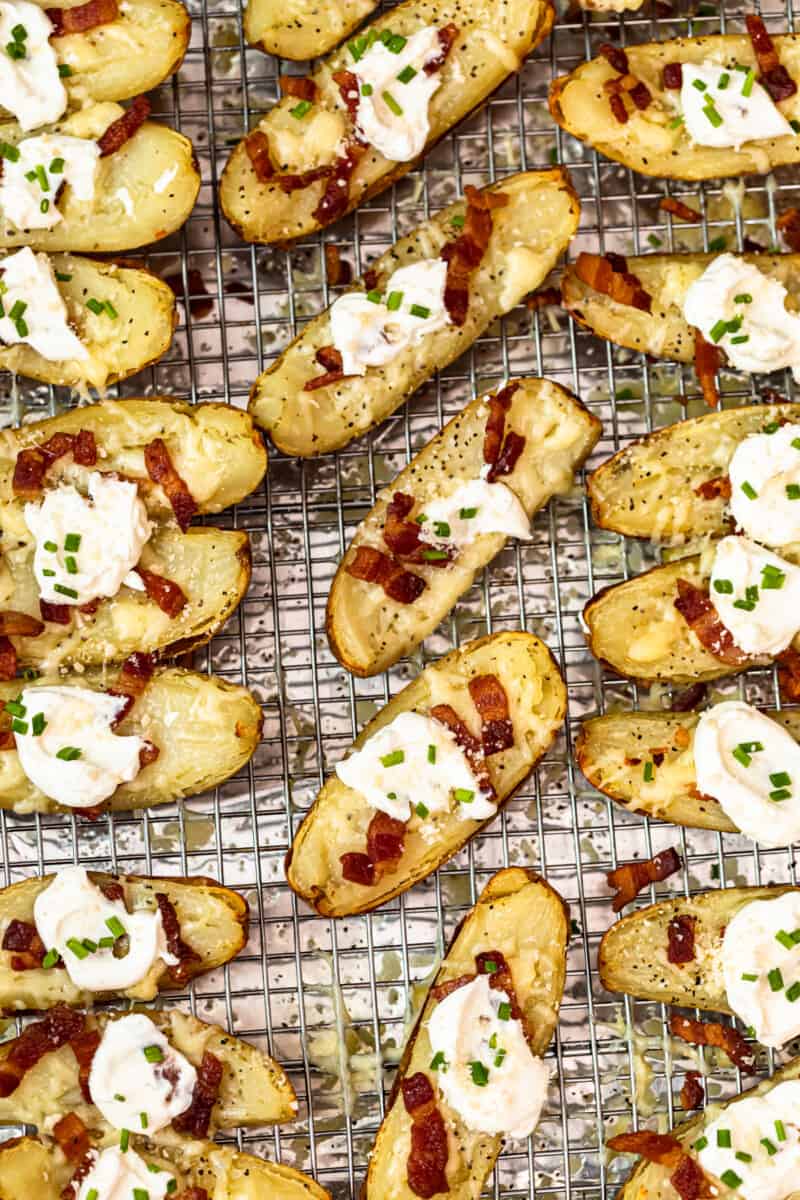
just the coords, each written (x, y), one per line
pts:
(338, 819)
(528, 236)
(367, 630)
(475, 67)
(649, 489)
(213, 921)
(610, 751)
(522, 917)
(302, 29)
(579, 104)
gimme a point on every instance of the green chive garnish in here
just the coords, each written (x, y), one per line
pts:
(393, 759)
(65, 591)
(394, 300)
(124, 1138)
(300, 109)
(479, 1074)
(464, 795)
(419, 310)
(724, 1138)
(504, 1011)
(775, 979)
(115, 926)
(438, 1062)
(50, 959)
(68, 753)
(421, 810)
(77, 947)
(649, 772)
(407, 74)
(467, 514)
(431, 754)
(392, 104)
(153, 1054)
(731, 1178)
(749, 490)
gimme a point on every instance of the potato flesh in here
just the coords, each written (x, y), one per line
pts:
(494, 38)
(580, 105)
(368, 631)
(528, 236)
(338, 820)
(301, 29)
(520, 916)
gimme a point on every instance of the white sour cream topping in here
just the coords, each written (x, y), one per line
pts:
(767, 1176)
(767, 464)
(72, 907)
(393, 112)
(474, 508)
(30, 86)
(467, 1029)
(745, 118)
(81, 720)
(397, 788)
(29, 280)
(372, 335)
(730, 767)
(21, 199)
(760, 315)
(742, 574)
(751, 948)
(113, 527)
(116, 1173)
(160, 1089)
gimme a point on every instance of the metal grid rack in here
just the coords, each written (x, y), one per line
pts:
(333, 1000)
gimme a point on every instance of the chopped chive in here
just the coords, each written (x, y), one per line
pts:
(115, 926)
(366, 89)
(431, 754)
(498, 1058)
(434, 555)
(90, 945)
(17, 310)
(421, 810)
(775, 979)
(18, 726)
(56, 166)
(724, 1138)
(374, 296)
(172, 1184)
(118, 1096)
(357, 47)
(718, 330)
(143, 1120)
(504, 1011)
(441, 529)
(92, 1194)
(300, 109)
(781, 779)
(41, 175)
(38, 724)
(14, 50)
(396, 43)
(676, 122)
(717, 243)
(700, 1144)
(68, 753)
(711, 114)
(464, 795)
(153, 1054)
(743, 298)
(392, 104)
(106, 943)
(723, 586)
(740, 340)
(8, 151)
(438, 1062)
(457, 221)
(780, 794)
(649, 772)
(22, 327)
(749, 978)
(793, 491)
(479, 1074)
(793, 992)
(780, 1129)
(750, 79)
(769, 1146)
(48, 573)
(467, 514)
(77, 947)
(15, 708)
(124, 1138)
(654, 240)
(95, 306)
(698, 83)
(394, 300)
(72, 542)
(743, 1156)
(50, 959)
(51, 547)
(785, 939)
(723, 81)
(772, 576)
(393, 759)
(419, 310)
(407, 74)
(71, 565)
(110, 310)
(65, 591)
(64, 70)
(731, 1178)
(44, 206)
(493, 1042)
(490, 968)
(749, 490)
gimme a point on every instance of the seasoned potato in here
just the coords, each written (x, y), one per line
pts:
(522, 917)
(494, 38)
(254, 1090)
(118, 347)
(663, 332)
(646, 142)
(337, 822)
(528, 236)
(213, 922)
(649, 488)
(367, 630)
(302, 29)
(205, 730)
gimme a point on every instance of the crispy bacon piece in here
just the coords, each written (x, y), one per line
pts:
(19, 624)
(257, 146)
(84, 1046)
(200, 300)
(446, 35)
(628, 85)
(680, 940)
(471, 746)
(72, 1136)
(401, 536)
(123, 129)
(56, 614)
(513, 446)
(55, 1030)
(695, 606)
(296, 183)
(678, 209)
(175, 944)
(692, 1092)
(358, 868)
(34, 461)
(495, 965)
(373, 566)
(167, 594)
(7, 740)
(83, 17)
(689, 1180)
(609, 274)
(134, 675)
(616, 57)
(197, 1117)
(8, 660)
(440, 990)
(464, 254)
(299, 86)
(71, 1190)
(789, 674)
(628, 879)
(544, 298)
(712, 1033)
(490, 699)
(385, 844)
(347, 84)
(789, 225)
(774, 76)
(661, 1148)
(161, 470)
(672, 76)
(685, 701)
(148, 754)
(335, 198)
(329, 358)
(338, 271)
(427, 1158)
(499, 404)
(712, 489)
(28, 949)
(707, 361)
(618, 109)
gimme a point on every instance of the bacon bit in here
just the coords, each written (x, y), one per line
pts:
(618, 109)
(7, 740)
(8, 660)
(712, 1033)
(692, 1092)
(672, 76)
(370, 279)
(661, 1148)
(112, 889)
(84, 1046)
(257, 146)
(167, 594)
(358, 868)
(83, 17)
(200, 300)
(774, 76)
(401, 536)
(678, 209)
(707, 361)
(385, 839)
(718, 488)
(490, 699)
(299, 86)
(689, 1180)
(347, 84)
(470, 745)
(84, 448)
(72, 1136)
(450, 985)
(28, 948)
(494, 964)
(296, 183)
(789, 225)
(372, 566)
(331, 359)
(338, 271)
(680, 940)
(162, 471)
(19, 624)
(417, 1092)
(336, 196)
(446, 35)
(34, 461)
(616, 57)
(464, 255)
(499, 404)
(123, 129)
(545, 298)
(789, 674)
(197, 1117)
(628, 879)
(697, 610)
(135, 673)
(176, 946)
(56, 614)
(629, 85)
(57, 1028)
(640, 95)
(509, 456)
(609, 274)
(148, 754)
(427, 1158)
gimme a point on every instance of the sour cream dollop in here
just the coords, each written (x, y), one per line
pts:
(742, 758)
(30, 282)
(759, 942)
(489, 1075)
(724, 106)
(135, 1071)
(755, 1125)
(112, 527)
(757, 595)
(368, 334)
(72, 909)
(743, 311)
(76, 719)
(475, 508)
(117, 1174)
(765, 486)
(30, 84)
(55, 159)
(411, 761)
(394, 93)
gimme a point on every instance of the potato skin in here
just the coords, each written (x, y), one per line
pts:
(579, 105)
(302, 29)
(368, 631)
(528, 236)
(338, 819)
(495, 37)
(522, 917)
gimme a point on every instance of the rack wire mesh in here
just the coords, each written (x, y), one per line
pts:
(334, 1000)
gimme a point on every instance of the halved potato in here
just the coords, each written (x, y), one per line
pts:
(213, 921)
(254, 1090)
(143, 192)
(367, 630)
(663, 332)
(337, 822)
(649, 488)
(204, 728)
(611, 750)
(118, 347)
(37, 1167)
(494, 38)
(300, 29)
(646, 142)
(519, 915)
(528, 235)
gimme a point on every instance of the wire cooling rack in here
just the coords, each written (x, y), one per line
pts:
(334, 1000)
